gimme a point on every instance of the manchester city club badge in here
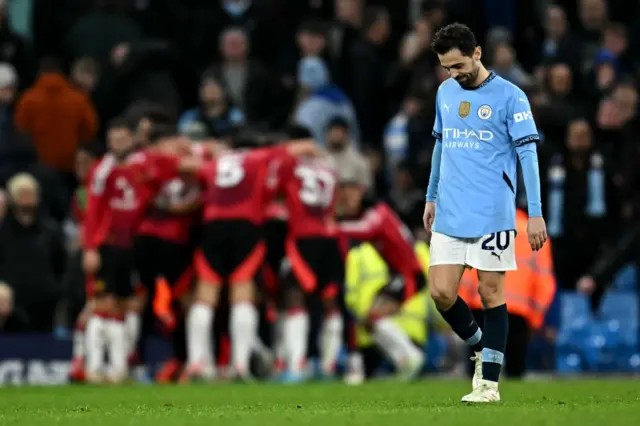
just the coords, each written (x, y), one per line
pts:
(484, 112)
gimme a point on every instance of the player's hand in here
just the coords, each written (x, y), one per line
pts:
(91, 261)
(586, 285)
(190, 164)
(83, 317)
(537, 230)
(429, 215)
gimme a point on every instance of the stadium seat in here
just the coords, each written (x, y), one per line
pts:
(569, 363)
(575, 321)
(621, 312)
(626, 279)
(601, 346)
(574, 308)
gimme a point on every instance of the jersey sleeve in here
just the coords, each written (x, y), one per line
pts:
(163, 168)
(520, 124)
(366, 228)
(437, 124)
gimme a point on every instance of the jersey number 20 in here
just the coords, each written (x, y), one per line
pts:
(502, 240)
(317, 186)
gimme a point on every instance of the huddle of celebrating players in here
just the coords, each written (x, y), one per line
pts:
(235, 231)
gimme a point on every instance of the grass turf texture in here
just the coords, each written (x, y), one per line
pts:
(566, 403)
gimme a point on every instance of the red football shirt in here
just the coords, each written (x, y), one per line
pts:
(276, 210)
(309, 187)
(394, 241)
(162, 218)
(119, 192)
(238, 184)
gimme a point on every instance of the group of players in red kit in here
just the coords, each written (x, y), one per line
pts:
(205, 217)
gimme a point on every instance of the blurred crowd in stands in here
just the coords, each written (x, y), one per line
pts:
(357, 73)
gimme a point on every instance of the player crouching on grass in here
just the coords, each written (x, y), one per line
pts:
(366, 274)
(483, 126)
(383, 228)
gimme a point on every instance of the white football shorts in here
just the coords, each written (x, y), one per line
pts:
(493, 252)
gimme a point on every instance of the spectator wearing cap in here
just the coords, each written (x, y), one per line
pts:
(8, 84)
(351, 164)
(32, 253)
(215, 112)
(57, 116)
(321, 101)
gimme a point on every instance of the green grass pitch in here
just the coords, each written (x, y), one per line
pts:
(435, 402)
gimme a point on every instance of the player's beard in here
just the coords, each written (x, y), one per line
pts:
(468, 80)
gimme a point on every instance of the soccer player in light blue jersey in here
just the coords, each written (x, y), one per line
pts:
(483, 126)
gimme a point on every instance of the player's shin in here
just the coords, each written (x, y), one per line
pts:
(116, 347)
(79, 342)
(199, 325)
(132, 326)
(496, 324)
(331, 341)
(295, 334)
(243, 325)
(461, 320)
(279, 346)
(95, 346)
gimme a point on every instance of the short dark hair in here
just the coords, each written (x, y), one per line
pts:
(246, 138)
(454, 36)
(156, 113)
(296, 131)
(616, 28)
(94, 149)
(162, 130)
(120, 123)
(338, 121)
(313, 26)
(372, 15)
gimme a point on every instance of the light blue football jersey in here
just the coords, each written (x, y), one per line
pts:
(480, 133)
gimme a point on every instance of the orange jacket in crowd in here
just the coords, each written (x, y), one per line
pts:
(58, 117)
(529, 291)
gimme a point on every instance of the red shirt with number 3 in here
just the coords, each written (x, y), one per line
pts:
(309, 187)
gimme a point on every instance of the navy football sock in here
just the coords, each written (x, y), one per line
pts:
(496, 328)
(462, 323)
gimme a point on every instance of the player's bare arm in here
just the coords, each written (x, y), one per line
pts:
(91, 261)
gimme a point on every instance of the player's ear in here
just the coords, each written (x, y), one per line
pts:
(477, 54)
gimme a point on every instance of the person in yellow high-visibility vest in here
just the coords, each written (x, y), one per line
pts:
(366, 274)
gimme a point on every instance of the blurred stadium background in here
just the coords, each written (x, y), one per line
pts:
(576, 59)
